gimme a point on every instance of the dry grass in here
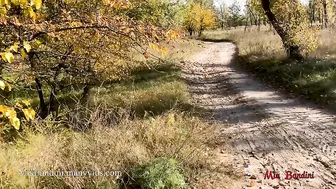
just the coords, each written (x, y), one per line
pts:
(129, 144)
(327, 45)
(177, 50)
(255, 44)
(265, 44)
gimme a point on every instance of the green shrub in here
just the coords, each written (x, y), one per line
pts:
(161, 173)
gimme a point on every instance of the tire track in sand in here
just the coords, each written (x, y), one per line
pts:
(268, 131)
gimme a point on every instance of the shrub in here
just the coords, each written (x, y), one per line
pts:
(161, 173)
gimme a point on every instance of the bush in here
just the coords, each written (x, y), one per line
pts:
(161, 173)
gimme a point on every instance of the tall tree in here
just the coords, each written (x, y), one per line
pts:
(311, 11)
(325, 13)
(65, 44)
(223, 15)
(198, 18)
(290, 21)
(235, 14)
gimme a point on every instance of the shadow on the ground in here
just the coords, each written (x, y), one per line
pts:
(215, 93)
(311, 79)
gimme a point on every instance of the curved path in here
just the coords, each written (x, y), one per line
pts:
(267, 131)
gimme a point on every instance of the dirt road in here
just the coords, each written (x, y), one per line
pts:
(268, 131)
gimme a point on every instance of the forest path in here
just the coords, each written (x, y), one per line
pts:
(267, 130)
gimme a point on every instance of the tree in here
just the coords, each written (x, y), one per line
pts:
(325, 13)
(235, 16)
(291, 24)
(311, 11)
(59, 45)
(204, 3)
(198, 18)
(223, 15)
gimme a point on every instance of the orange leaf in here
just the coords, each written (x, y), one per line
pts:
(146, 54)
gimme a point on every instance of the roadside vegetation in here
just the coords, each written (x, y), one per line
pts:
(95, 86)
(262, 53)
(143, 126)
(309, 70)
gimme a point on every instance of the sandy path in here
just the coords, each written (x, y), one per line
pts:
(267, 130)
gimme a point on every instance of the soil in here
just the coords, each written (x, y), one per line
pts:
(267, 130)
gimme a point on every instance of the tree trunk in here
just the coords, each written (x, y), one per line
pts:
(52, 98)
(251, 19)
(259, 23)
(86, 94)
(293, 51)
(190, 31)
(44, 111)
(201, 31)
(246, 23)
(325, 13)
(43, 106)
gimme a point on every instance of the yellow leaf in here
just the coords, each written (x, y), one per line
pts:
(23, 3)
(23, 53)
(3, 56)
(15, 47)
(3, 109)
(15, 122)
(38, 42)
(37, 3)
(27, 46)
(7, 56)
(30, 12)
(9, 87)
(15, 2)
(17, 22)
(29, 113)
(26, 102)
(155, 48)
(2, 85)
(3, 11)
(10, 112)
(18, 105)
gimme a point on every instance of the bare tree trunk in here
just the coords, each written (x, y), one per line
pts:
(325, 13)
(251, 20)
(43, 106)
(190, 31)
(293, 50)
(246, 23)
(259, 23)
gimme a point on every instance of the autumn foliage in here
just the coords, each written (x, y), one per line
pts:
(56, 45)
(198, 17)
